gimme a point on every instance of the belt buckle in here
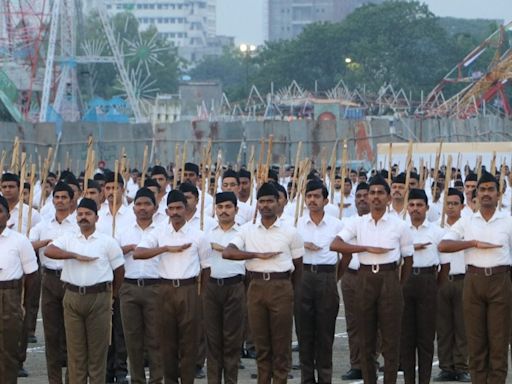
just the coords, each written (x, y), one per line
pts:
(140, 282)
(375, 268)
(82, 290)
(220, 282)
(175, 283)
(266, 276)
(416, 271)
(488, 271)
(314, 268)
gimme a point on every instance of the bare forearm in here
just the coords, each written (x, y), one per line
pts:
(54, 252)
(346, 258)
(148, 253)
(233, 253)
(450, 246)
(118, 280)
(343, 247)
(406, 269)
(38, 244)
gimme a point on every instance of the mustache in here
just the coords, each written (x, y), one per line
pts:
(83, 221)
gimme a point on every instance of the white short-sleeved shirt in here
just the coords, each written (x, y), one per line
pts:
(179, 265)
(457, 264)
(354, 261)
(12, 223)
(223, 268)
(124, 218)
(388, 232)
(278, 238)
(49, 230)
(138, 269)
(17, 256)
(100, 245)
(208, 224)
(498, 230)
(244, 215)
(321, 235)
(430, 256)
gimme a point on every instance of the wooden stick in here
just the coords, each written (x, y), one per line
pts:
(239, 156)
(31, 196)
(15, 156)
(446, 186)
(260, 163)
(501, 184)
(217, 175)
(302, 190)
(2, 161)
(183, 161)
(250, 168)
(299, 202)
(422, 174)
(323, 163)
(295, 171)
(20, 196)
(344, 157)
(390, 162)
(176, 165)
(493, 163)
(269, 158)
(114, 205)
(436, 166)
(332, 175)
(206, 156)
(44, 176)
(408, 168)
(478, 167)
(144, 166)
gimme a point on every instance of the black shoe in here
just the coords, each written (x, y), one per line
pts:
(352, 374)
(463, 377)
(200, 373)
(122, 380)
(250, 354)
(446, 376)
(22, 372)
(254, 375)
(290, 376)
(295, 348)
(110, 379)
(381, 369)
(296, 367)
(32, 339)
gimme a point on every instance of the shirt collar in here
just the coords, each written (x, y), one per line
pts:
(384, 217)
(276, 224)
(497, 215)
(217, 227)
(6, 232)
(93, 236)
(322, 222)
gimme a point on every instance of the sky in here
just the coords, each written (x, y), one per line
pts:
(244, 18)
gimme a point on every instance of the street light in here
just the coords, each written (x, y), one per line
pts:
(247, 50)
(348, 60)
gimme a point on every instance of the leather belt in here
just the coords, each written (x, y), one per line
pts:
(488, 271)
(227, 280)
(424, 270)
(52, 272)
(352, 271)
(376, 268)
(10, 284)
(176, 283)
(142, 282)
(90, 289)
(320, 268)
(457, 277)
(270, 275)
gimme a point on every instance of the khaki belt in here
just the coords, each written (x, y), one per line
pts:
(52, 272)
(10, 284)
(227, 280)
(488, 271)
(456, 277)
(142, 282)
(424, 270)
(376, 268)
(176, 283)
(319, 268)
(270, 275)
(90, 289)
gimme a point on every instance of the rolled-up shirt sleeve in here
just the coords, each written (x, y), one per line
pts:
(297, 246)
(27, 257)
(349, 230)
(456, 231)
(239, 239)
(204, 250)
(406, 242)
(115, 255)
(149, 240)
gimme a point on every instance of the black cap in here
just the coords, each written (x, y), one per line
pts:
(188, 187)
(93, 184)
(379, 180)
(151, 183)
(267, 189)
(110, 178)
(313, 185)
(361, 186)
(244, 173)
(145, 192)
(230, 173)
(222, 197)
(418, 194)
(487, 177)
(176, 196)
(89, 204)
(158, 170)
(7, 176)
(456, 192)
(399, 179)
(191, 167)
(471, 177)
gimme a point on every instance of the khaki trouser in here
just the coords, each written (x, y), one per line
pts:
(380, 305)
(179, 326)
(87, 320)
(140, 312)
(52, 296)
(224, 310)
(487, 305)
(270, 307)
(318, 310)
(349, 292)
(11, 323)
(418, 327)
(452, 346)
(31, 306)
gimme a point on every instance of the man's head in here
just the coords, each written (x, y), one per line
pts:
(191, 194)
(10, 187)
(362, 177)
(159, 174)
(191, 173)
(414, 180)
(153, 186)
(454, 204)
(94, 192)
(378, 193)
(244, 177)
(353, 176)
(62, 197)
(361, 200)
(283, 198)
(417, 205)
(144, 204)
(177, 207)
(316, 196)
(230, 182)
(87, 215)
(111, 189)
(226, 207)
(347, 186)
(135, 175)
(398, 187)
(488, 191)
(268, 197)
(470, 185)
(4, 213)
(437, 188)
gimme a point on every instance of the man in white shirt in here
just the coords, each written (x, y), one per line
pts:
(319, 300)
(159, 174)
(469, 186)
(452, 349)
(183, 251)
(244, 177)
(231, 183)
(381, 240)
(487, 300)
(52, 290)
(93, 272)
(398, 191)
(193, 214)
(224, 296)
(139, 294)
(420, 292)
(132, 186)
(17, 260)
(191, 175)
(274, 255)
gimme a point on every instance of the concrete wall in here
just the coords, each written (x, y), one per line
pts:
(228, 136)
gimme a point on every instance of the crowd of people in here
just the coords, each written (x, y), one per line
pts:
(130, 274)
